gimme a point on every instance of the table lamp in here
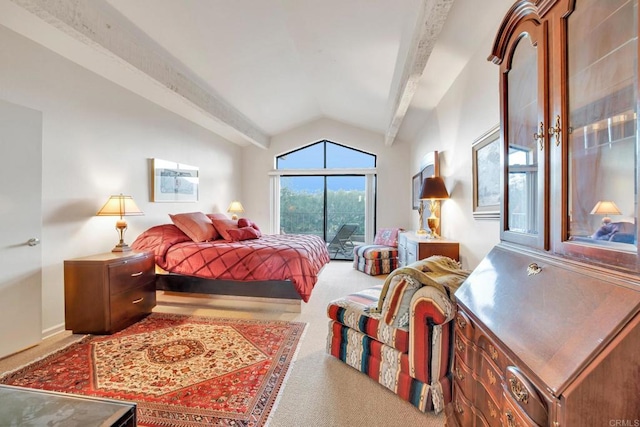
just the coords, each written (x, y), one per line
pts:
(121, 206)
(433, 190)
(235, 208)
(606, 208)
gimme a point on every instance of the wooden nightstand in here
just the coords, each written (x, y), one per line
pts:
(105, 293)
(412, 248)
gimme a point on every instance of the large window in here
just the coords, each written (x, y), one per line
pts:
(320, 187)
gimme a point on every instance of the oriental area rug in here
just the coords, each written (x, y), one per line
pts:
(182, 371)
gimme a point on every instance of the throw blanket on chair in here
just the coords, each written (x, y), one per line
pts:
(441, 272)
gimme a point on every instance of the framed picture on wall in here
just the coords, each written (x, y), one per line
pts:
(174, 182)
(486, 175)
(416, 183)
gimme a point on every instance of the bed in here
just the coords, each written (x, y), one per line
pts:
(271, 266)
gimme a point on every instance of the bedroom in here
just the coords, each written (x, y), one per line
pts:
(98, 136)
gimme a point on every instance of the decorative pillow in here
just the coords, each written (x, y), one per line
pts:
(223, 224)
(387, 237)
(395, 309)
(196, 225)
(243, 233)
(245, 222)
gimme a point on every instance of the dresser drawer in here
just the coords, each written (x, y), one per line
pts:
(132, 304)
(131, 274)
(486, 345)
(462, 408)
(513, 416)
(489, 376)
(524, 395)
(464, 349)
(463, 376)
(463, 325)
(488, 407)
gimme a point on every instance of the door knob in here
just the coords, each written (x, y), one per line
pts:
(34, 241)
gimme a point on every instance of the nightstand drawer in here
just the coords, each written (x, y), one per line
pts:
(131, 274)
(131, 305)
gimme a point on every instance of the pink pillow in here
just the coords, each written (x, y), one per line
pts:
(387, 237)
(223, 224)
(243, 233)
(196, 225)
(245, 222)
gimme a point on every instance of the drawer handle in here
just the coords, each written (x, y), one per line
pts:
(459, 344)
(492, 378)
(459, 374)
(493, 352)
(511, 420)
(519, 392)
(493, 411)
(461, 322)
(533, 269)
(137, 274)
(459, 408)
(137, 301)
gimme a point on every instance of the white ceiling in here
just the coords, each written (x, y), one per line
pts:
(265, 66)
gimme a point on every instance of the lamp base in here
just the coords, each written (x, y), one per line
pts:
(121, 247)
(433, 223)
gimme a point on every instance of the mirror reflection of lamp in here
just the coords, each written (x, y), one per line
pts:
(121, 206)
(234, 209)
(606, 208)
(433, 190)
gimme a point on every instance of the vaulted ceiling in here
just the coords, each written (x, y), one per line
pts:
(250, 69)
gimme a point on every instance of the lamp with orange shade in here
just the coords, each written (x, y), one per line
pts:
(433, 190)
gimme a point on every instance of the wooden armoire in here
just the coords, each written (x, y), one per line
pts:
(547, 331)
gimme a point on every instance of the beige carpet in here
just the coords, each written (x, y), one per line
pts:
(320, 390)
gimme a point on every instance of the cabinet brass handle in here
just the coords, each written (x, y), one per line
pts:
(493, 352)
(493, 411)
(511, 420)
(461, 322)
(137, 301)
(492, 378)
(555, 131)
(459, 374)
(519, 392)
(459, 408)
(459, 344)
(539, 136)
(137, 274)
(533, 269)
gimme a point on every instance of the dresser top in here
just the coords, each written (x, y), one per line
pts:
(555, 321)
(111, 256)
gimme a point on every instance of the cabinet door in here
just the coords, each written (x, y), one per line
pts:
(598, 121)
(524, 97)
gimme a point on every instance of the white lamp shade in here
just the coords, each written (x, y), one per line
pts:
(605, 207)
(120, 205)
(235, 207)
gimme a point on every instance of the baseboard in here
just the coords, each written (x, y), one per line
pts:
(54, 330)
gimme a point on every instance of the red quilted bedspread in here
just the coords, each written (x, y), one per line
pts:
(294, 257)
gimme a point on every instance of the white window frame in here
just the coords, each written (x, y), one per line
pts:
(370, 194)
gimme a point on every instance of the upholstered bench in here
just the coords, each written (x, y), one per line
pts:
(381, 257)
(400, 333)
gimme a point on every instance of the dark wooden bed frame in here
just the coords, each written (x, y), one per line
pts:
(273, 289)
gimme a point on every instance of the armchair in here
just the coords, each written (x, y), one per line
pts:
(400, 333)
(381, 257)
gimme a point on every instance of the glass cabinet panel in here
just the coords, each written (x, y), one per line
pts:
(524, 148)
(602, 90)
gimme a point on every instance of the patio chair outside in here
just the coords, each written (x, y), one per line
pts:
(342, 243)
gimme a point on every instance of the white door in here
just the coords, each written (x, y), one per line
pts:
(20, 227)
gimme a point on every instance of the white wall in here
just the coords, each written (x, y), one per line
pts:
(97, 141)
(394, 178)
(469, 109)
